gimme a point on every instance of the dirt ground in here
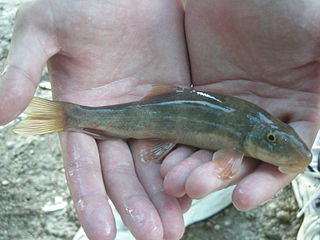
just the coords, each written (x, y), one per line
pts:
(35, 202)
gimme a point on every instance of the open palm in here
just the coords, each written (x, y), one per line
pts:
(103, 53)
(261, 51)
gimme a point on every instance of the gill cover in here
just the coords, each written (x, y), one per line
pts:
(271, 144)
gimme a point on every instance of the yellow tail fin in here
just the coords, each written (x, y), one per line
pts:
(43, 116)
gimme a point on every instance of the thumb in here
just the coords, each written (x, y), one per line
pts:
(31, 46)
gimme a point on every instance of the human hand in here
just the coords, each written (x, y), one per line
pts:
(100, 53)
(114, 69)
(265, 52)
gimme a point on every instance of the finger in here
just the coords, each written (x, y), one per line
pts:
(126, 192)
(185, 203)
(84, 176)
(31, 46)
(259, 186)
(205, 179)
(174, 157)
(167, 206)
(174, 181)
(266, 181)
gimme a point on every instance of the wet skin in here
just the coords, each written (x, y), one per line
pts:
(108, 52)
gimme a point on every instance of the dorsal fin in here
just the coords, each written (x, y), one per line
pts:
(160, 89)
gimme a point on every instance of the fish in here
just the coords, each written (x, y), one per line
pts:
(176, 115)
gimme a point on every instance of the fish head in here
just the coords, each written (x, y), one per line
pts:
(278, 144)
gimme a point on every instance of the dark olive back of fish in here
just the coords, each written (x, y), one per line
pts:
(185, 116)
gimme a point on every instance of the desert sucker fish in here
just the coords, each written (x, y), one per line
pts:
(180, 116)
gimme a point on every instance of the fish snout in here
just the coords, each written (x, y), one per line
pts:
(301, 151)
(305, 156)
(302, 156)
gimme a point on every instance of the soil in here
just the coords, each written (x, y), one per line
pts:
(35, 202)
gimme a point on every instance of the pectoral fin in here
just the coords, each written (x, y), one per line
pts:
(150, 150)
(228, 162)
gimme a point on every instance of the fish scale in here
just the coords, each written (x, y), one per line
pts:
(185, 116)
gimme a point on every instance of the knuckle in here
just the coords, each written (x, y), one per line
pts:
(119, 169)
(17, 72)
(77, 167)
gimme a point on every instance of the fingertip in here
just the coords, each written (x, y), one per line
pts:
(96, 217)
(174, 182)
(14, 94)
(206, 178)
(252, 190)
(174, 233)
(32, 44)
(202, 181)
(196, 191)
(171, 215)
(195, 188)
(126, 192)
(171, 212)
(174, 158)
(185, 203)
(83, 172)
(141, 218)
(241, 200)
(167, 207)
(259, 186)
(151, 227)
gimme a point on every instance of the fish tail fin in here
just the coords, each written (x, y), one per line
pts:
(43, 116)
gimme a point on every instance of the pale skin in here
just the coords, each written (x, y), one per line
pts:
(107, 52)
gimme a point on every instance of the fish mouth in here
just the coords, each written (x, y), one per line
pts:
(297, 167)
(290, 169)
(304, 157)
(304, 153)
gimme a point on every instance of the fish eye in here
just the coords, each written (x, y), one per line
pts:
(271, 137)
